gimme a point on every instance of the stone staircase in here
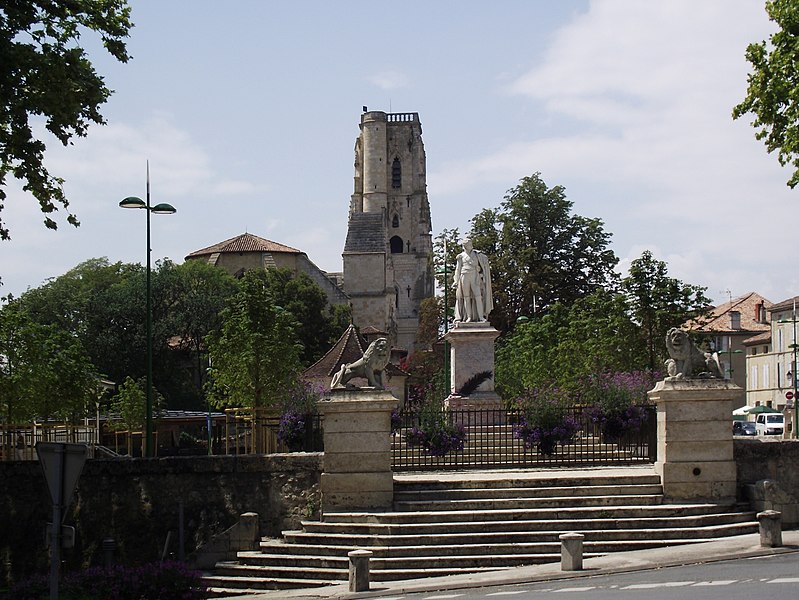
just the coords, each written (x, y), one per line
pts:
(468, 522)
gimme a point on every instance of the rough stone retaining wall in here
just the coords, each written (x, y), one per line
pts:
(768, 476)
(137, 503)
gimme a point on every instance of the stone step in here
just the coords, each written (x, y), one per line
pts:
(494, 541)
(478, 504)
(256, 584)
(404, 495)
(405, 482)
(532, 525)
(506, 514)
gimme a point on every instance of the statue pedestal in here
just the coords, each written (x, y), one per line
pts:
(695, 451)
(357, 464)
(471, 353)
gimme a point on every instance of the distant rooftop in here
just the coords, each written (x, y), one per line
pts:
(246, 242)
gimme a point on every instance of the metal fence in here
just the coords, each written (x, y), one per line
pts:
(492, 441)
(18, 442)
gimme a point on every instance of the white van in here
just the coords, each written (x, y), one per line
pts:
(770, 424)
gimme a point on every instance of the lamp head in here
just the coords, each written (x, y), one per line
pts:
(132, 202)
(164, 209)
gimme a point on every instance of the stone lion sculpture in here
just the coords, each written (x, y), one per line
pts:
(370, 366)
(686, 357)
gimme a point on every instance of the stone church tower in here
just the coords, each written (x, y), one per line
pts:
(388, 254)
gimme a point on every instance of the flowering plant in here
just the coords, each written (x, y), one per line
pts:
(298, 409)
(436, 434)
(544, 421)
(291, 430)
(618, 402)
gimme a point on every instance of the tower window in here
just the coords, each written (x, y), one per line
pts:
(397, 246)
(395, 221)
(396, 174)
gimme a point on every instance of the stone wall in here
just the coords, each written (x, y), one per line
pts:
(768, 476)
(137, 503)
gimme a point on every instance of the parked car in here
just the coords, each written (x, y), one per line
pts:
(743, 428)
(770, 424)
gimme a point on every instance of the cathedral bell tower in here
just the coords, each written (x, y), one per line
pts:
(389, 248)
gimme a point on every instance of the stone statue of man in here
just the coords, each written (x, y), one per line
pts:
(473, 298)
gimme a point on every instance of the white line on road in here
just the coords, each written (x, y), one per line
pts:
(652, 586)
(576, 589)
(716, 582)
(785, 580)
(506, 593)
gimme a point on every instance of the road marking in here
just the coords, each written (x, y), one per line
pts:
(651, 586)
(506, 593)
(717, 582)
(576, 589)
(444, 597)
(785, 580)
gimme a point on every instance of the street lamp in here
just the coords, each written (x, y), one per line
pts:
(159, 209)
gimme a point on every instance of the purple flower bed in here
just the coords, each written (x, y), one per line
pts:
(291, 430)
(439, 440)
(546, 438)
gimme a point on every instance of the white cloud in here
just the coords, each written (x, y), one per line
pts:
(389, 80)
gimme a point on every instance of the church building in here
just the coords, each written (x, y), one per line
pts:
(388, 253)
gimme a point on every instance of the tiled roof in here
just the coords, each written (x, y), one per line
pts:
(719, 319)
(760, 338)
(246, 242)
(785, 304)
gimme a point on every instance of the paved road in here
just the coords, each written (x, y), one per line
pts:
(766, 578)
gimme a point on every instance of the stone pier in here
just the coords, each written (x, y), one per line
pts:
(695, 450)
(471, 353)
(357, 463)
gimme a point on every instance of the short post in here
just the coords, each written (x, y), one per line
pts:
(359, 570)
(770, 528)
(109, 545)
(571, 551)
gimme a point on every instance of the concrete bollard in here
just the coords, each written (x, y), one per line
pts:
(770, 528)
(109, 545)
(571, 551)
(359, 570)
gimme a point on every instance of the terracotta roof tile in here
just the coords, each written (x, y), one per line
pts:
(246, 242)
(719, 319)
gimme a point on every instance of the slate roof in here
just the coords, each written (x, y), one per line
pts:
(246, 242)
(366, 233)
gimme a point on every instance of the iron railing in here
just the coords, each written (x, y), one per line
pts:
(492, 442)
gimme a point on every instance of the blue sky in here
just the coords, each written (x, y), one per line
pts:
(248, 113)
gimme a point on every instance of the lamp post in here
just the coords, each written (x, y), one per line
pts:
(159, 209)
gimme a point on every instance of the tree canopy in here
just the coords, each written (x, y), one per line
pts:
(772, 95)
(45, 73)
(540, 252)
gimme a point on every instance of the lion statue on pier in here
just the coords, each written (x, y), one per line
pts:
(370, 366)
(685, 357)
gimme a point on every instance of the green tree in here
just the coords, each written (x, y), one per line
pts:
(772, 95)
(44, 73)
(255, 356)
(540, 252)
(318, 324)
(44, 371)
(658, 302)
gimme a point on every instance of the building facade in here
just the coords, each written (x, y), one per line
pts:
(771, 359)
(387, 256)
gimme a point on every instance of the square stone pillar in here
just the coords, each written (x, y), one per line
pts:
(472, 352)
(694, 451)
(356, 470)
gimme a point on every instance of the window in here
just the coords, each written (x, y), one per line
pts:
(754, 377)
(735, 319)
(395, 221)
(765, 376)
(396, 174)
(397, 245)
